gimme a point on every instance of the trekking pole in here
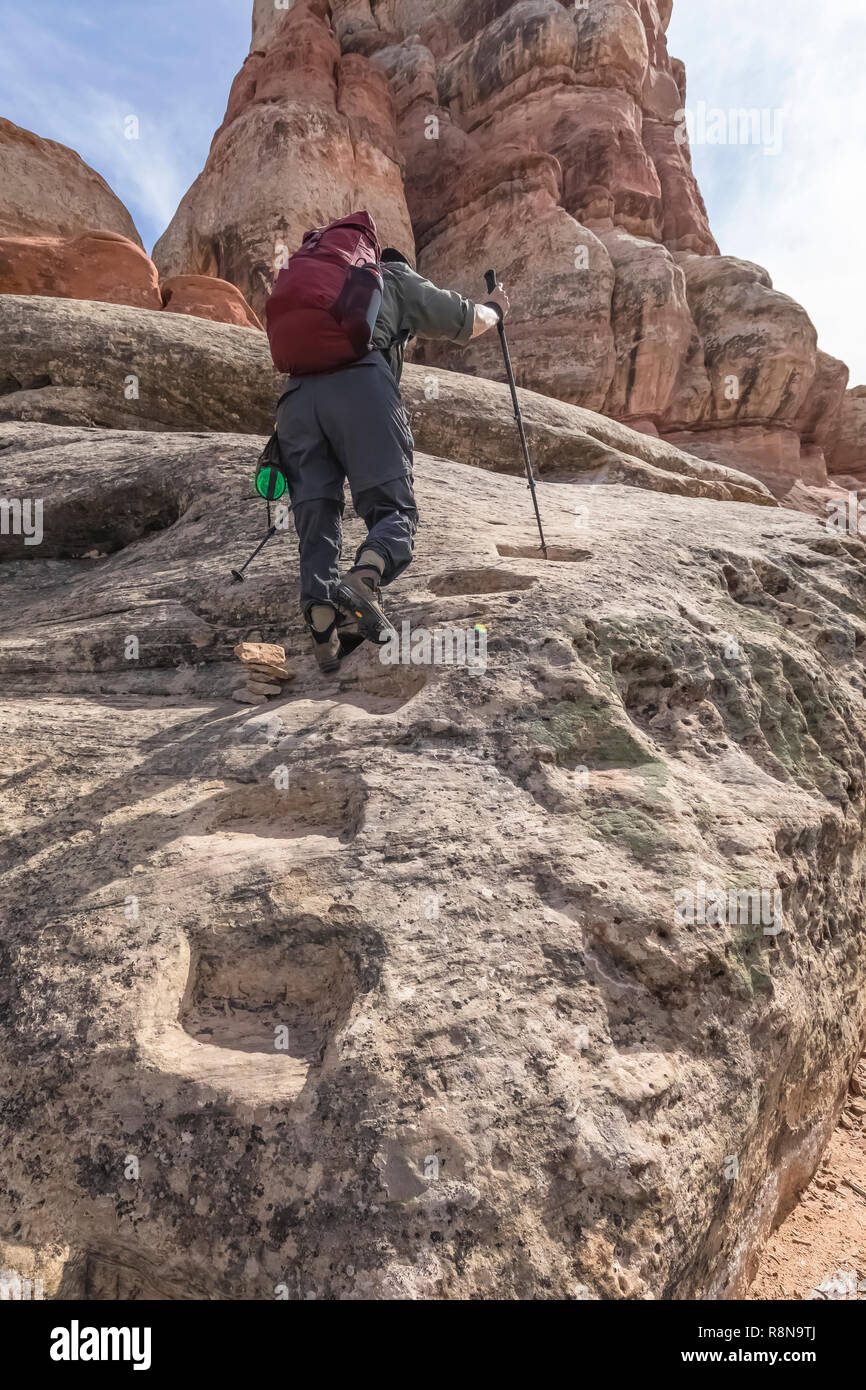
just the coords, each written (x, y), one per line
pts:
(271, 484)
(238, 575)
(490, 278)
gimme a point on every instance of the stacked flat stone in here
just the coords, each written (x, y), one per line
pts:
(266, 672)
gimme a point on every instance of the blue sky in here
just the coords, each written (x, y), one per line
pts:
(72, 70)
(800, 213)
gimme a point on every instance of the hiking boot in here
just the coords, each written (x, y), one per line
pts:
(358, 597)
(326, 645)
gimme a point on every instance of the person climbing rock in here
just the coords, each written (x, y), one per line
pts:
(342, 416)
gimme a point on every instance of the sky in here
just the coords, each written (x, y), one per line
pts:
(74, 70)
(800, 213)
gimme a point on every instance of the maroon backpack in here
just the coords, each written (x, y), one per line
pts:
(323, 310)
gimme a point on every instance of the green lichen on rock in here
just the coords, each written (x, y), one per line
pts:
(645, 837)
(588, 732)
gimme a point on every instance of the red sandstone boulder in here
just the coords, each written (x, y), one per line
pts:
(95, 265)
(46, 189)
(206, 297)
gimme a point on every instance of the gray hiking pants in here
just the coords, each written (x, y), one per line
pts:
(350, 425)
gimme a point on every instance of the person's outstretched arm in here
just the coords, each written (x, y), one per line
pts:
(433, 313)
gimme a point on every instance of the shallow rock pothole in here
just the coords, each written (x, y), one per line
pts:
(486, 580)
(312, 803)
(554, 552)
(278, 1000)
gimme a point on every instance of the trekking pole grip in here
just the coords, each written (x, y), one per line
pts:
(490, 281)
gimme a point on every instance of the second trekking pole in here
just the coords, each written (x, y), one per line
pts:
(490, 278)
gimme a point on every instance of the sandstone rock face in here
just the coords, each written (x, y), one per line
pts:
(540, 79)
(847, 445)
(546, 141)
(309, 135)
(207, 297)
(357, 1055)
(759, 346)
(653, 326)
(48, 190)
(63, 362)
(95, 265)
(509, 1049)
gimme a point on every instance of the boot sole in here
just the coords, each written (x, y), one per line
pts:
(371, 623)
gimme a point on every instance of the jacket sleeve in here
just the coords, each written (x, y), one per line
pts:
(429, 312)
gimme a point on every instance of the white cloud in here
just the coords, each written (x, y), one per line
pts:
(799, 213)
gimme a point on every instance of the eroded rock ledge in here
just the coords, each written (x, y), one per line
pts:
(64, 361)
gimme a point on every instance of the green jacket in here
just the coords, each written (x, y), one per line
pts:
(413, 307)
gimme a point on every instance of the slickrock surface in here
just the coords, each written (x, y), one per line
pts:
(548, 141)
(76, 362)
(63, 362)
(380, 992)
(110, 269)
(103, 266)
(47, 190)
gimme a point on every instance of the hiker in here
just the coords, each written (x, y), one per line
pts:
(342, 416)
